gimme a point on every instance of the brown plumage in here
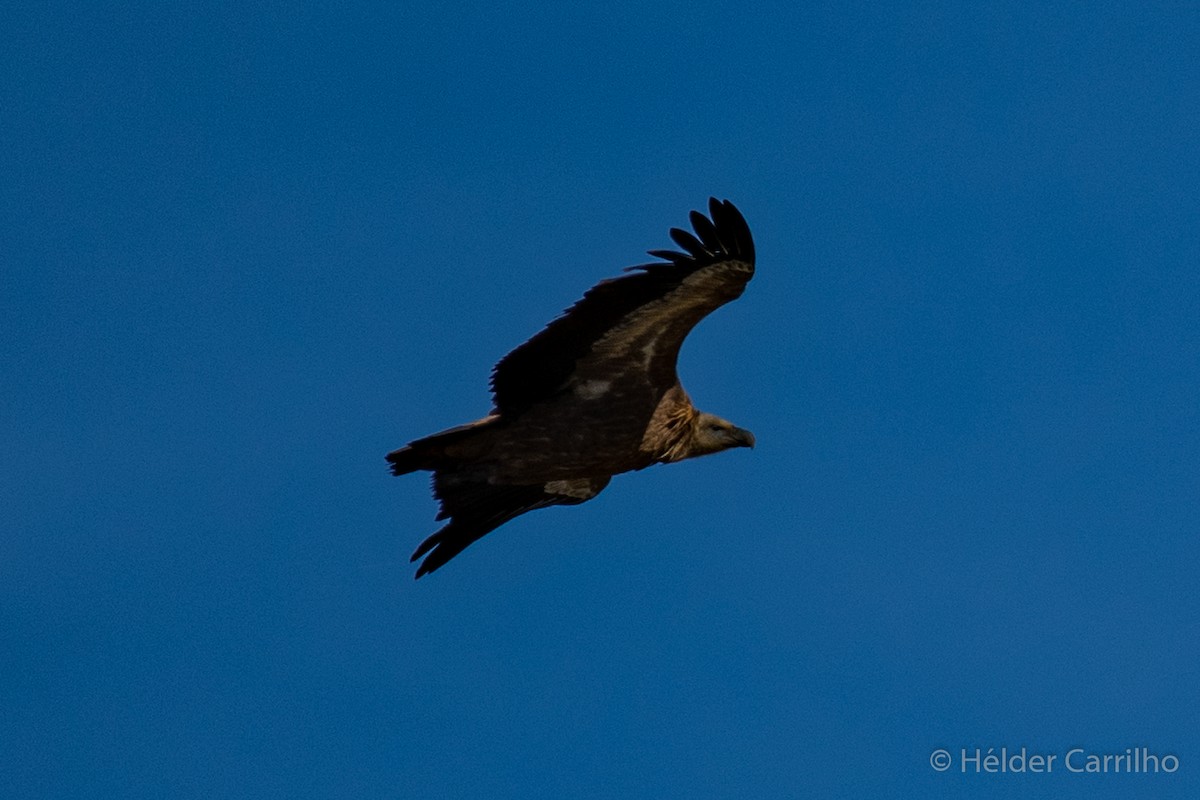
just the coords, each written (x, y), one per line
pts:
(592, 395)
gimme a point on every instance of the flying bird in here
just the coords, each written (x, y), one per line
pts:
(594, 394)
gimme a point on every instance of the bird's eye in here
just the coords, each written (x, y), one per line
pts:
(715, 428)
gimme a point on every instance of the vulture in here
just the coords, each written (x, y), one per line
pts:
(594, 394)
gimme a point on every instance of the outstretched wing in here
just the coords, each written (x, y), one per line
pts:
(622, 338)
(476, 507)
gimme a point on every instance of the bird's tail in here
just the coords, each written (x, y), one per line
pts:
(440, 449)
(408, 459)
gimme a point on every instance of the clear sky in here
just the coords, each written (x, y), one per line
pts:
(249, 248)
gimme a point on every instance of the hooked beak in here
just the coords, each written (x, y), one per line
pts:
(743, 438)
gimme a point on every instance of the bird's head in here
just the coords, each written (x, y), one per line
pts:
(713, 434)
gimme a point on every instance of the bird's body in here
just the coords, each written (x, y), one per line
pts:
(593, 395)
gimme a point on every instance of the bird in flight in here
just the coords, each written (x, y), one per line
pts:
(594, 394)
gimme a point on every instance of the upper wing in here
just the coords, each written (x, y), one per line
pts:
(628, 330)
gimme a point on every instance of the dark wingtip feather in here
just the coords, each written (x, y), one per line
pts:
(704, 229)
(694, 247)
(425, 546)
(438, 549)
(672, 256)
(722, 234)
(438, 554)
(732, 228)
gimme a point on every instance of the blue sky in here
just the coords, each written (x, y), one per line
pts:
(249, 250)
